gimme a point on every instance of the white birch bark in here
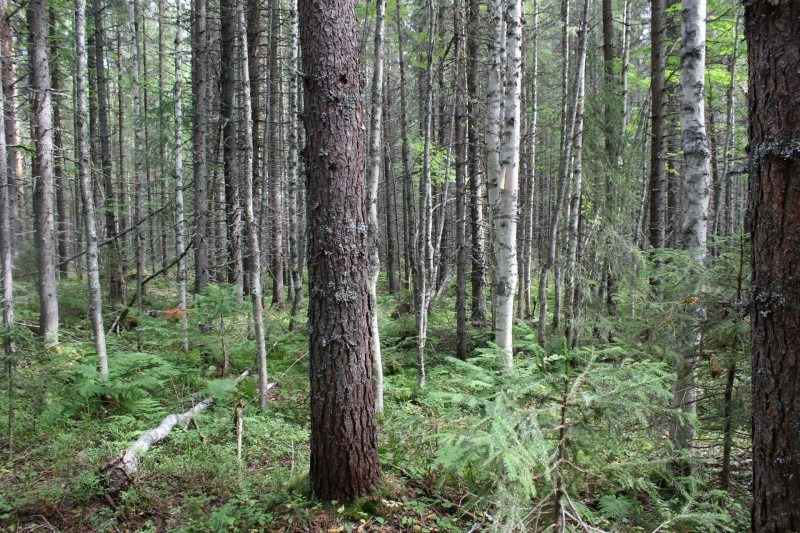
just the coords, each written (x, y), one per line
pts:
(373, 177)
(6, 244)
(86, 186)
(503, 136)
(696, 180)
(253, 243)
(180, 221)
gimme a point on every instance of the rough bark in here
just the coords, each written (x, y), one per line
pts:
(658, 172)
(87, 188)
(13, 158)
(6, 251)
(774, 107)
(230, 138)
(461, 186)
(275, 163)
(43, 173)
(344, 450)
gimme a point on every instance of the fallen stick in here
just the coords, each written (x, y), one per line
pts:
(120, 471)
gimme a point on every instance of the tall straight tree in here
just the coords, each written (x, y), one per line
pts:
(375, 123)
(180, 218)
(200, 91)
(43, 205)
(6, 244)
(658, 169)
(344, 447)
(774, 105)
(8, 74)
(87, 187)
(502, 168)
(253, 244)
(696, 183)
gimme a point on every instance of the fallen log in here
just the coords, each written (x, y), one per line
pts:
(121, 470)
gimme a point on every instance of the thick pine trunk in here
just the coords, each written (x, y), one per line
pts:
(774, 105)
(344, 448)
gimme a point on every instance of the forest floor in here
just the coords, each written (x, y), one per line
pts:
(463, 455)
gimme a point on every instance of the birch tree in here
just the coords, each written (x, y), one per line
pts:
(180, 219)
(502, 140)
(696, 181)
(373, 178)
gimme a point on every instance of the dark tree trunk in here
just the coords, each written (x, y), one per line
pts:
(62, 233)
(658, 173)
(275, 156)
(199, 140)
(344, 450)
(116, 290)
(475, 169)
(774, 106)
(233, 211)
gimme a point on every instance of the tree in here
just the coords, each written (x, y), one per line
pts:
(774, 104)
(696, 170)
(200, 92)
(376, 107)
(87, 188)
(344, 450)
(505, 84)
(43, 207)
(658, 171)
(180, 219)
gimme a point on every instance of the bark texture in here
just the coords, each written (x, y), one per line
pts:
(43, 172)
(772, 34)
(344, 450)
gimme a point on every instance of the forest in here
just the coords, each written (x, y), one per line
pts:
(402, 265)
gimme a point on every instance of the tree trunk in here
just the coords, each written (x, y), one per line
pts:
(275, 174)
(13, 158)
(344, 448)
(502, 142)
(774, 137)
(478, 279)
(373, 179)
(658, 172)
(461, 186)
(87, 188)
(180, 220)
(230, 138)
(200, 92)
(43, 172)
(59, 159)
(296, 211)
(409, 223)
(6, 250)
(116, 288)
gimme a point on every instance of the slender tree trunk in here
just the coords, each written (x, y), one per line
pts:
(200, 83)
(180, 219)
(344, 448)
(59, 158)
(476, 186)
(233, 211)
(409, 224)
(86, 187)
(729, 135)
(13, 159)
(658, 173)
(391, 193)
(253, 245)
(296, 210)
(373, 178)
(43, 172)
(424, 273)
(116, 288)
(461, 185)
(140, 171)
(275, 174)
(577, 171)
(6, 243)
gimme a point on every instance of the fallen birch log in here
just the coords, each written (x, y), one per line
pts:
(120, 471)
